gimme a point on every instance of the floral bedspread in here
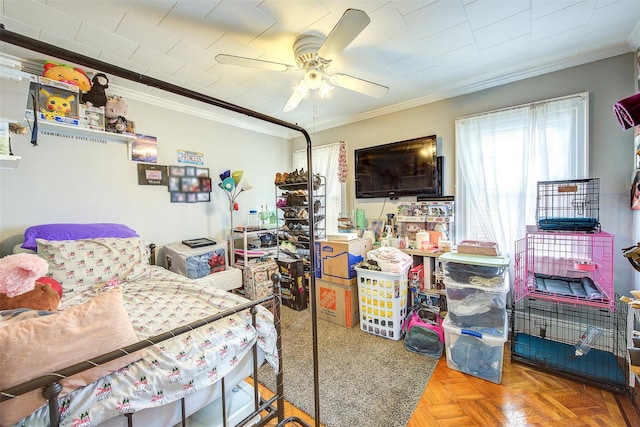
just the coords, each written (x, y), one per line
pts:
(156, 303)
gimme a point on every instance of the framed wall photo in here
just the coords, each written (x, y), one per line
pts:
(205, 184)
(174, 183)
(203, 197)
(189, 184)
(176, 171)
(152, 174)
(178, 197)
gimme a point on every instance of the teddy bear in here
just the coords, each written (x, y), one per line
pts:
(116, 111)
(23, 283)
(41, 297)
(96, 96)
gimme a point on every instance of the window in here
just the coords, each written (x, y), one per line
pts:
(325, 163)
(501, 156)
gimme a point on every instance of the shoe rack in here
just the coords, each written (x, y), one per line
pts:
(295, 211)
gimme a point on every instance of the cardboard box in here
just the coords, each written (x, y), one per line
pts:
(337, 303)
(58, 101)
(335, 261)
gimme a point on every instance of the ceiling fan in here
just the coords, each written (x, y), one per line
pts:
(313, 55)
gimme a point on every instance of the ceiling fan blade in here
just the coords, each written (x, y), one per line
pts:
(253, 63)
(351, 24)
(358, 85)
(294, 100)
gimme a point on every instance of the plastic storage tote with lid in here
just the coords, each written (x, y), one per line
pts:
(481, 270)
(475, 353)
(478, 307)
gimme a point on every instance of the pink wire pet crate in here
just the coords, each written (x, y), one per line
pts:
(545, 257)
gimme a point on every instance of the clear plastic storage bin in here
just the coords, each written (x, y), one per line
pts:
(480, 308)
(383, 301)
(480, 270)
(474, 353)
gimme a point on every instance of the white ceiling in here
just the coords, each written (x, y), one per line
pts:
(423, 50)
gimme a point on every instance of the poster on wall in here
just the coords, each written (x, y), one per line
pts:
(144, 149)
(152, 174)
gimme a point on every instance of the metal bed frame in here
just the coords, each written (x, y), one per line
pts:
(51, 388)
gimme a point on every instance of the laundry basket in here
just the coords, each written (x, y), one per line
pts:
(383, 301)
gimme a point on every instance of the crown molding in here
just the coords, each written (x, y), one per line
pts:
(455, 89)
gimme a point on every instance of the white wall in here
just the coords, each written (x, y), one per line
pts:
(611, 147)
(65, 180)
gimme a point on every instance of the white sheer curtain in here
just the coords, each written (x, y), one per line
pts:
(501, 156)
(325, 163)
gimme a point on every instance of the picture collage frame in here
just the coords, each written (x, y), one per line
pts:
(189, 184)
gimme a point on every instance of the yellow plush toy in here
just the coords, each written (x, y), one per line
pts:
(67, 74)
(56, 105)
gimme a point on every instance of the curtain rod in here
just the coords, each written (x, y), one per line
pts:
(501, 110)
(67, 55)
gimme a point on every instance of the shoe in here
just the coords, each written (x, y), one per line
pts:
(303, 214)
(278, 179)
(317, 181)
(293, 177)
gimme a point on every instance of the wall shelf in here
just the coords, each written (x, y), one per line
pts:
(9, 162)
(80, 133)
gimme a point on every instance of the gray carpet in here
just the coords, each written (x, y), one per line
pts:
(364, 379)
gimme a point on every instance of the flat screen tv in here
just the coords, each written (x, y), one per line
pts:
(403, 168)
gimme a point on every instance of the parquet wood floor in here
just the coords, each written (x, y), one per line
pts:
(526, 397)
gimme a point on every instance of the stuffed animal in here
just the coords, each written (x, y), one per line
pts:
(23, 283)
(58, 105)
(116, 111)
(41, 297)
(96, 96)
(67, 74)
(117, 125)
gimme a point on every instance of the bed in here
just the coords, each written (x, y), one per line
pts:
(62, 54)
(114, 298)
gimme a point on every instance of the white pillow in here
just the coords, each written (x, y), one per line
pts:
(82, 264)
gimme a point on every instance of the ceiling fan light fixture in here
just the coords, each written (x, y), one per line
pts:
(325, 88)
